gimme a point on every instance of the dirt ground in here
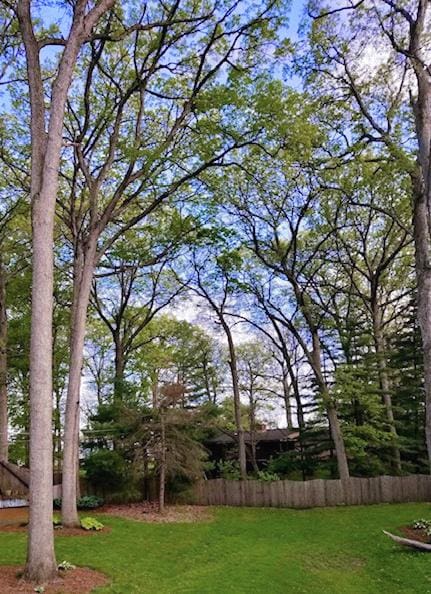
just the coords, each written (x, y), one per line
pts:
(13, 516)
(15, 519)
(149, 512)
(73, 581)
(413, 534)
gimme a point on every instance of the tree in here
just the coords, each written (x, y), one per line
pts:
(212, 279)
(399, 30)
(278, 234)
(172, 75)
(45, 162)
(257, 381)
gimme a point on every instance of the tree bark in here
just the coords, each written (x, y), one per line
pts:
(162, 474)
(252, 423)
(286, 397)
(41, 563)
(155, 389)
(379, 344)
(3, 367)
(423, 273)
(83, 276)
(242, 457)
(334, 422)
(119, 368)
(45, 164)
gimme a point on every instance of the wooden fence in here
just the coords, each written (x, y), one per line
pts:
(314, 493)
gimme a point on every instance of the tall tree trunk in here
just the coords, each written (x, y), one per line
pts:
(334, 422)
(286, 397)
(242, 457)
(206, 381)
(45, 164)
(57, 434)
(379, 344)
(41, 563)
(155, 389)
(83, 276)
(3, 367)
(252, 423)
(423, 273)
(119, 368)
(162, 473)
(421, 184)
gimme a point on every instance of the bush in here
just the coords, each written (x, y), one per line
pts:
(128, 495)
(284, 464)
(90, 502)
(266, 476)
(229, 469)
(85, 502)
(56, 520)
(106, 470)
(91, 524)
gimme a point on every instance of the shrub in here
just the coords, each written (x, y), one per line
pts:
(229, 469)
(266, 476)
(56, 520)
(107, 470)
(89, 502)
(421, 525)
(85, 502)
(284, 464)
(65, 566)
(127, 495)
(91, 524)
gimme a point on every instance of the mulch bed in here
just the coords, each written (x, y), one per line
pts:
(73, 581)
(413, 534)
(13, 516)
(146, 511)
(15, 520)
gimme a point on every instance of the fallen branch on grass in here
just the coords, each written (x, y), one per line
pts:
(408, 542)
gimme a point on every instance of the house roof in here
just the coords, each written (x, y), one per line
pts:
(274, 435)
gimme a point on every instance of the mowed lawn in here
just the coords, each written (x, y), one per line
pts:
(246, 551)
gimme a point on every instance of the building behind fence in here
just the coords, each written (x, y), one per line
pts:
(313, 493)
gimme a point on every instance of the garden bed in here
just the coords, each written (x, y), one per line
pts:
(149, 512)
(80, 580)
(16, 520)
(415, 534)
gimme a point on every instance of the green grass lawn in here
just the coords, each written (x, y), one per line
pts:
(268, 551)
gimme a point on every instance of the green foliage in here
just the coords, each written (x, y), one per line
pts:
(106, 470)
(267, 476)
(89, 502)
(91, 524)
(66, 566)
(421, 524)
(229, 469)
(284, 465)
(85, 502)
